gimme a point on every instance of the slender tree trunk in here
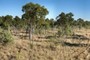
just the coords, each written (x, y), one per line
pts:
(27, 29)
(30, 35)
(30, 32)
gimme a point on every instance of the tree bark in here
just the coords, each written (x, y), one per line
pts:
(30, 32)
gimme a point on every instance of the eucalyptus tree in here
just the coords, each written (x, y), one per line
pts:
(70, 18)
(80, 23)
(52, 21)
(61, 19)
(33, 12)
(64, 21)
(16, 22)
(6, 22)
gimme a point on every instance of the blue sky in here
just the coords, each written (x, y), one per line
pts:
(80, 8)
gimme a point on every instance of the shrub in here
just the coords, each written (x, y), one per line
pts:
(5, 36)
(68, 30)
(65, 31)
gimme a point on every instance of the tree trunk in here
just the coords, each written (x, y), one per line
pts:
(30, 32)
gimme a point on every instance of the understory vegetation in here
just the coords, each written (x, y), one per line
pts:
(5, 36)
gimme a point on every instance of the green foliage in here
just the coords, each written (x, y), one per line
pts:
(87, 24)
(61, 19)
(6, 21)
(5, 36)
(80, 23)
(65, 21)
(65, 31)
(33, 12)
(49, 23)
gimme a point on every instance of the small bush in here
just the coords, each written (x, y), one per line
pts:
(5, 36)
(68, 31)
(65, 31)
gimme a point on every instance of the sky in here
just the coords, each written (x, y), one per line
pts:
(80, 8)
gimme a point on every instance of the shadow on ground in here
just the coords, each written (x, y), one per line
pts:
(75, 44)
(80, 37)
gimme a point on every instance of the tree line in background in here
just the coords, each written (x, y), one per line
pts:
(33, 18)
(62, 20)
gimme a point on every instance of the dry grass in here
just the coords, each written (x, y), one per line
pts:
(49, 49)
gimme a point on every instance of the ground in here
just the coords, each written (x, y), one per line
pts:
(47, 47)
